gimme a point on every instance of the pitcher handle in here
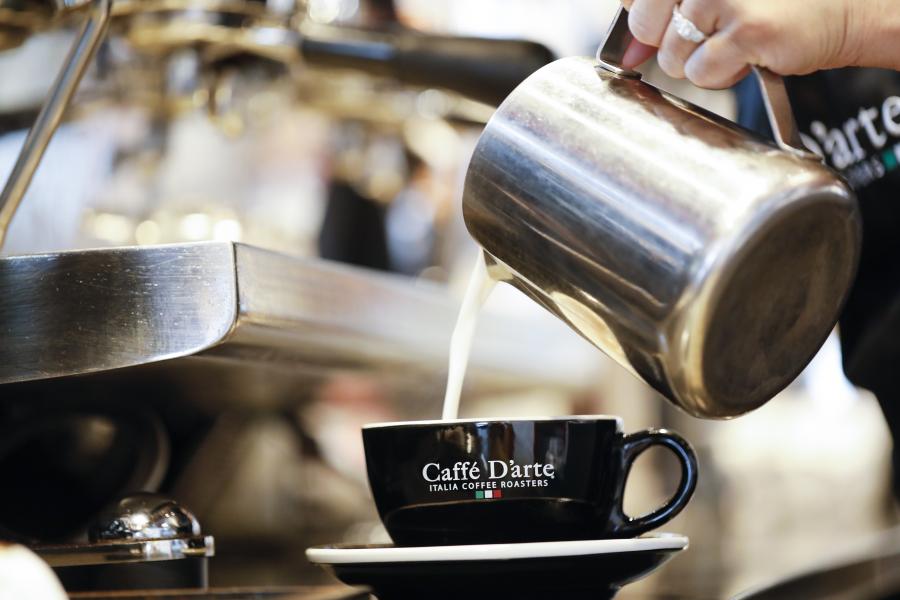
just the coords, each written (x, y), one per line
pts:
(774, 93)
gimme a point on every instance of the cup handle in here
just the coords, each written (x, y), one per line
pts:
(778, 107)
(632, 447)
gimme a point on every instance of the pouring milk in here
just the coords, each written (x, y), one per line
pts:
(480, 286)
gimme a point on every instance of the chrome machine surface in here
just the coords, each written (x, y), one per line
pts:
(82, 312)
(144, 517)
(140, 541)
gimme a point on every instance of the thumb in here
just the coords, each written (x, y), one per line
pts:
(637, 54)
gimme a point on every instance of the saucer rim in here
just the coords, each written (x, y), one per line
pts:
(331, 555)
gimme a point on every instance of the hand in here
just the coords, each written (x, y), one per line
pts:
(790, 37)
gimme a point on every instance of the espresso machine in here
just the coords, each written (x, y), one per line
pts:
(138, 380)
(182, 379)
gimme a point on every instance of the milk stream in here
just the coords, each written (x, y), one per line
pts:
(480, 286)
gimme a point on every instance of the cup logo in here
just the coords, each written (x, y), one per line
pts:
(487, 481)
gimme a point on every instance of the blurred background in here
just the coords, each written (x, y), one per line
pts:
(198, 122)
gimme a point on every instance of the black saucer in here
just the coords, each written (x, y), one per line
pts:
(575, 570)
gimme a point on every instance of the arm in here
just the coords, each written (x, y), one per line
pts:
(790, 37)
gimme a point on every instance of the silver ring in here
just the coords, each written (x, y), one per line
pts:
(686, 29)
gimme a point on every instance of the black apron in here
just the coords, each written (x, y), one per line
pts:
(852, 117)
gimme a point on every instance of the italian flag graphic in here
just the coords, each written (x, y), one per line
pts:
(488, 494)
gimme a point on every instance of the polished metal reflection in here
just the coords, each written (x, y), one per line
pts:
(141, 527)
(254, 316)
(127, 551)
(144, 516)
(710, 263)
(83, 312)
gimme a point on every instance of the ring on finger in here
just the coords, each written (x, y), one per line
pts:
(686, 29)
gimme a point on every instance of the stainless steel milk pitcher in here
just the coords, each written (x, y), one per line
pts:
(710, 263)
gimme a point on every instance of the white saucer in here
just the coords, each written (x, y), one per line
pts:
(347, 554)
(575, 570)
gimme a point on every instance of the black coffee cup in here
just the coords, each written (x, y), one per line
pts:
(520, 480)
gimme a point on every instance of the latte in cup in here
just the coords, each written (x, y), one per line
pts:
(484, 481)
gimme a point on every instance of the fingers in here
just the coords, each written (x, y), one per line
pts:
(637, 54)
(674, 50)
(718, 63)
(648, 20)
